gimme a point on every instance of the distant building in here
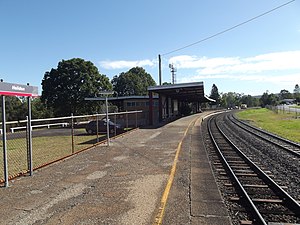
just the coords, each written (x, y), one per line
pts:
(288, 101)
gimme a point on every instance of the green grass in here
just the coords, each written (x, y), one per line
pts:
(44, 150)
(285, 125)
(295, 106)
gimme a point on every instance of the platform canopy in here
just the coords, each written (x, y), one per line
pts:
(185, 92)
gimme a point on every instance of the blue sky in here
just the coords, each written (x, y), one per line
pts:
(116, 35)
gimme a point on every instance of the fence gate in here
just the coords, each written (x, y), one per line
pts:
(9, 89)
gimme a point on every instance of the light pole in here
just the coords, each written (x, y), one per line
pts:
(105, 93)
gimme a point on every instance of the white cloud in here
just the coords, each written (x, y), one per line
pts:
(188, 62)
(277, 61)
(121, 64)
(286, 79)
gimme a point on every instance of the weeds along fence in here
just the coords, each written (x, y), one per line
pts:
(57, 138)
(287, 110)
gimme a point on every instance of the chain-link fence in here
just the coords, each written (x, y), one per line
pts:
(56, 138)
(288, 110)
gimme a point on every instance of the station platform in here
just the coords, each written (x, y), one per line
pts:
(153, 176)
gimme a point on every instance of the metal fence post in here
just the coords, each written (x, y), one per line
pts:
(29, 150)
(126, 121)
(5, 165)
(97, 127)
(115, 121)
(107, 121)
(72, 132)
(27, 143)
(136, 116)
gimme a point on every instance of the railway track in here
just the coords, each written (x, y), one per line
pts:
(287, 145)
(264, 201)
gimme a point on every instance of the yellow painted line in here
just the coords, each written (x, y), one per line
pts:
(163, 202)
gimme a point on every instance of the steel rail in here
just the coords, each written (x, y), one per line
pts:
(296, 153)
(258, 217)
(290, 202)
(268, 133)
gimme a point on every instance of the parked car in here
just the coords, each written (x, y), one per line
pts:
(91, 127)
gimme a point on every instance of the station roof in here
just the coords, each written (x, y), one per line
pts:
(131, 97)
(189, 92)
(120, 98)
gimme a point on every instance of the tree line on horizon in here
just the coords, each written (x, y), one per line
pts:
(65, 88)
(233, 99)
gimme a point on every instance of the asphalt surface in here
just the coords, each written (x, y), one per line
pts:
(123, 183)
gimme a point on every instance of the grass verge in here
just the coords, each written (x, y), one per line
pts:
(44, 150)
(284, 125)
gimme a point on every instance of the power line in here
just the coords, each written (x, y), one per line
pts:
(229, 29)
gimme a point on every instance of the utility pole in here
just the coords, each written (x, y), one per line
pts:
(159, 69)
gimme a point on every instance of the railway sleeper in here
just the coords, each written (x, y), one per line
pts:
(241, 174)
(246, 222)
(251, 185)
(240, 167)
(258, 200)
(249, 222)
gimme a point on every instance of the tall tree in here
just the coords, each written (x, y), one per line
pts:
(65, 88)
(39, 111)
(268, 99)
(133, 82)
(249, 101)
(15, 108)
(230, 99)
(285, 94)
(296, 89)
(214, 94)
(297, 93)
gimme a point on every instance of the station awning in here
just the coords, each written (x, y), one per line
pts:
(187, 92)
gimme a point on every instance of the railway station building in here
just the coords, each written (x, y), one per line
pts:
(174, 99)
(164, 102)
(136, 103)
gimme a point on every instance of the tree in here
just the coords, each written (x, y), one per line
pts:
(15, 108)
(39, 111)
(214, 94)
(166, 83)
(230, 99)
(297, 89)
(133, 82)
(268, 99)
(285, 94)
(249, 101)
(65, 88)
(297, 93)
